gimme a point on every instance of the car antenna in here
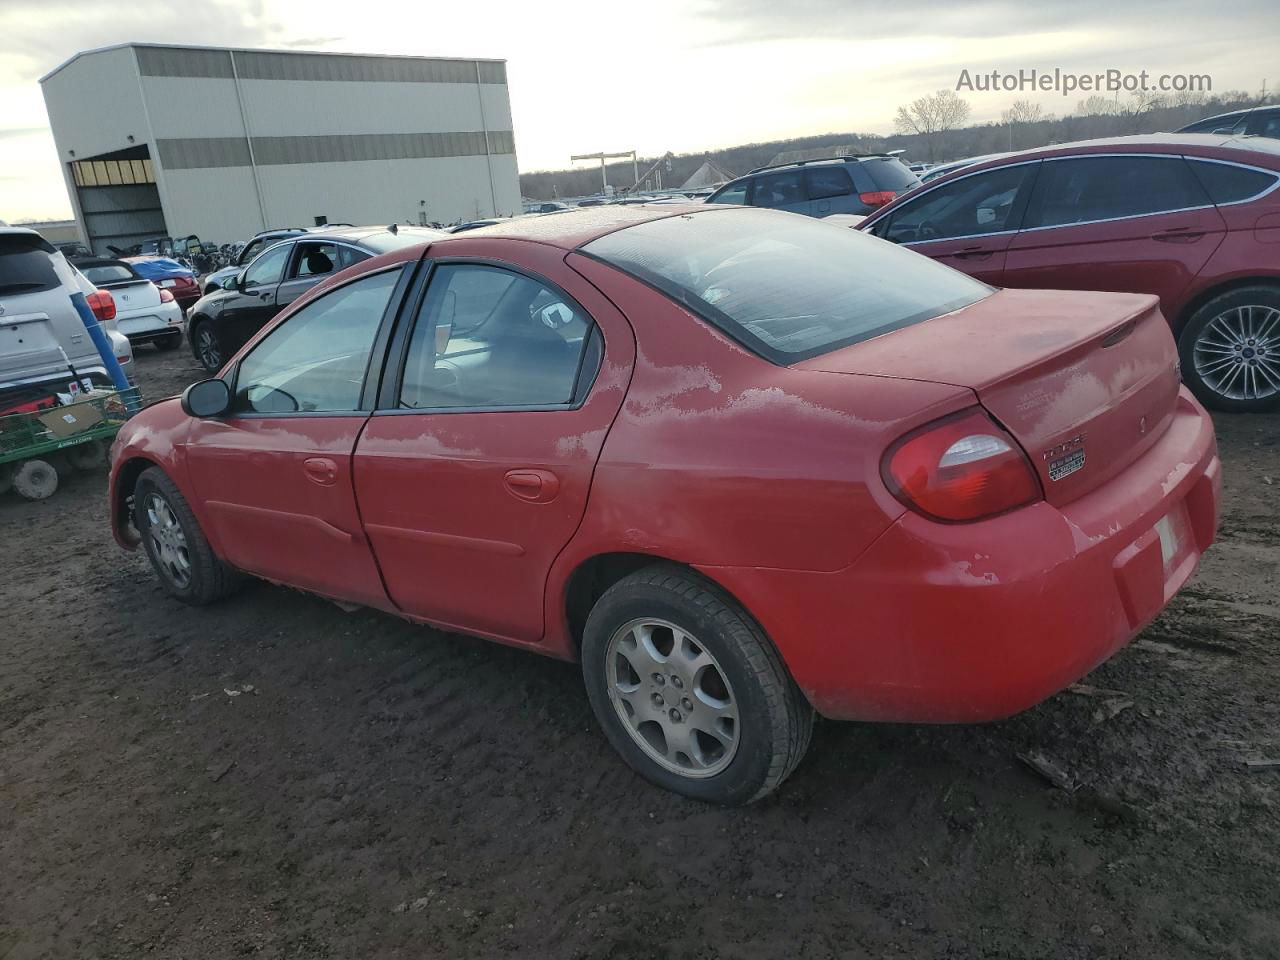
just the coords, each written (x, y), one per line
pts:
(394, 228)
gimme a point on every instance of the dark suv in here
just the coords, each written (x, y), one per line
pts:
(224, 320)
(819, 188)
(1257, 122)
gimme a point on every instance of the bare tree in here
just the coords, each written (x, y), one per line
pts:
(1023, 111)
(1097, 106)
(939, 111)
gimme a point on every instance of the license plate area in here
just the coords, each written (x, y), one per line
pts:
(1174, 533)
(168, 283)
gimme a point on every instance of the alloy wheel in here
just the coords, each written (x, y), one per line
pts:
(168, 541)
(207, 348)
(673, 698)
(1237, 354)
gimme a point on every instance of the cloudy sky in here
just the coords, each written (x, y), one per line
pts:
(678, 75)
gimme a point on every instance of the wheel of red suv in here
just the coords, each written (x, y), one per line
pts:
(175, 545)
(689, 689)
(1230, 350)
(207, 346)
(35, 479)
(169, 342)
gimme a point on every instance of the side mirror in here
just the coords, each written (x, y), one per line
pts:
(208, 398)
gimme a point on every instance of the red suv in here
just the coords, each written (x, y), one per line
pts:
(1194, 219)
(744, 465)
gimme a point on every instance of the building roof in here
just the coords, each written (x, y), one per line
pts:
(199, 46)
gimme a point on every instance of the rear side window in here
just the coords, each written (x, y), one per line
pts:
(778, 190)
(823, 182)
(1088, 189)
(787, 288)
(890, 174)
(1227, 183)
(25, 266)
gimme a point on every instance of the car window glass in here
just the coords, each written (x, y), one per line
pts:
(825, 182)
(1227, 183)
(25, 266)
(315, 259)
(1266, 126)
(734, 193)
(316, 359)
(254, 248)
(778, 190)
(1087, 189)
(108, 273)
(488, 337)
(269, 267)
(982, 203)
(349, 256)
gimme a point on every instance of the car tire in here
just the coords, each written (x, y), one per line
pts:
(1229, 348)
(207, 346)
(690, 691)
(169, 342)
(179, 553)
(89, 455)
(35, 479)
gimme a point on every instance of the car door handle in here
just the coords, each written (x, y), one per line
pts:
(320, 470)
(534, 486)
(1178, 235)
(973, 253)
(265, 296)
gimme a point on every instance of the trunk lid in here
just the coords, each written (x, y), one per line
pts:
(1086, 382)
(132, 295)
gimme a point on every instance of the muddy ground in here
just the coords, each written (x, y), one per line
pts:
(272, 777)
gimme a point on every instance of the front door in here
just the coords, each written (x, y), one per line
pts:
(474, 473)
(254, 302)
(1126, 223)
(275, 475)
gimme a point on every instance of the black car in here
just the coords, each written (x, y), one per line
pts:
(223, 321)
(257, 243)
(1257, 122)
(853, 184)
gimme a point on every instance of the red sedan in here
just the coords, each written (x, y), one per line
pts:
(743, 465)
(1193, 219)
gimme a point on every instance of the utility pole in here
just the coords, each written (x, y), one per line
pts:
(602, 157)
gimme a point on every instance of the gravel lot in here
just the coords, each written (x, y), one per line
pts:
(272, 777)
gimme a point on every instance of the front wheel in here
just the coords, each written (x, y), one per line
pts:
(207, 347)
(1230, 351)
(179, 553)
(689, 689)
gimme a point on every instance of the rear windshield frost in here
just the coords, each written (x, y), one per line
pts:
(788, 287)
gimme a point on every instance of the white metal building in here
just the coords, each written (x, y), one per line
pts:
(161, 140)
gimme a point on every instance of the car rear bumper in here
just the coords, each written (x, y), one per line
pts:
(963, 623)
(150, 323)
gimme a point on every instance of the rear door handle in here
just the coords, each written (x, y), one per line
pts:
(1178, 235)
(320, 470)
(534, 486)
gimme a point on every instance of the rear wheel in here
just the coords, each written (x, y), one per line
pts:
(88, 455)
(35, 479)
(690, 691)
(169, 342)
(175, 545)
(1230, 350)
(207, 347)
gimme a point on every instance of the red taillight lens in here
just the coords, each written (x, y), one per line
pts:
(960, 468)
(877, 198)
(165, 296)
(102, 304)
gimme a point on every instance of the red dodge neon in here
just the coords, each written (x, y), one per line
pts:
(744, 465)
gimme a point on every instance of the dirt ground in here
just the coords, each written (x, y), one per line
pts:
(272, 777)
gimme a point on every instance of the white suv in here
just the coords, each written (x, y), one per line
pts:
(44, 344)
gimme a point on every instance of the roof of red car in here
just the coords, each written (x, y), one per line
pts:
(572, 229)
(1209, 144)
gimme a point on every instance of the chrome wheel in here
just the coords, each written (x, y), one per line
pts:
(168, 541)
(673, 698)
(208, 349)
(1237, 354)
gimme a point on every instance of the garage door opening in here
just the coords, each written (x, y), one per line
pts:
(118, 199)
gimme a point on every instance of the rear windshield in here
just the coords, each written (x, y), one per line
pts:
(785, 286)
(25, 266)
(890, 174)
(108, 273)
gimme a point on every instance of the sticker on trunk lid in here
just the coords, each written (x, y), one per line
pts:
(1065, 466)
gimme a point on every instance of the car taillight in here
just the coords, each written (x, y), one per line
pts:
(963, 467)
(102, 304)
(877, 198)
(165, 296)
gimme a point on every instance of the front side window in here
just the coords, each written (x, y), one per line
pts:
(315, 259)
(823, 182)
(488, 337)
(786, 287)
(733, 193)
(778, 190)
(269, 267)
(972, 206)
(1088, 189)
(315, 361)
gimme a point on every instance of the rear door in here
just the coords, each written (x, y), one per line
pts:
(1127, 222)
(780, 191)
(274, 476)
(473, 474)
(965, 223)
(829, 190)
